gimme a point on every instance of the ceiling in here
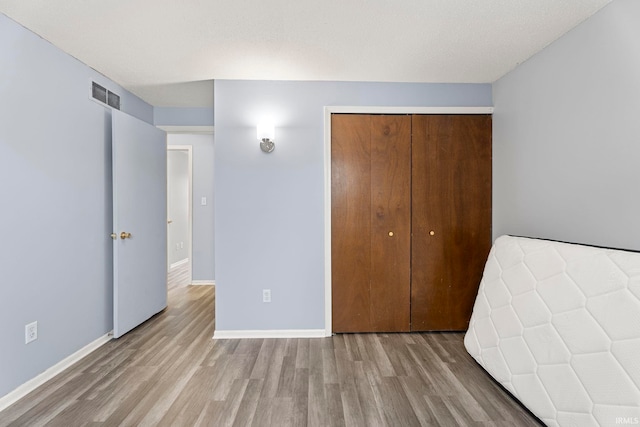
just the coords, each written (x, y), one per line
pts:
(167, 51)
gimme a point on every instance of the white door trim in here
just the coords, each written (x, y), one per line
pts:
(189, 150)
(328, 110)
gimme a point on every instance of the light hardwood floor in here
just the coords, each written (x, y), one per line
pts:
(169, 372)
(178, 276)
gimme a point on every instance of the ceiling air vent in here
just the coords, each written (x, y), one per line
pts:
(105, 96)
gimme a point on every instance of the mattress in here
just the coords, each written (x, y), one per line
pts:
(558, 325)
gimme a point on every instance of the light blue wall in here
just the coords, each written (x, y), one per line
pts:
(55, 220)
(178, 205)
(269, 229)
(176, 116)
(203, 216)
(566, 136)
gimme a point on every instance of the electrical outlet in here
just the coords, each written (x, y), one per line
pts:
(30, 332)
(266, 295)
(181, 245)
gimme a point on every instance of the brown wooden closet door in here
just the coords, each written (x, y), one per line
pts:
(350, 222)
(371, 220)
(451, 217)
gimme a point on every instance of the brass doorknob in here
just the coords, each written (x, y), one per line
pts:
(114, 236)
(125, 235)
(169, 221)
(431, 233)
(391, 234)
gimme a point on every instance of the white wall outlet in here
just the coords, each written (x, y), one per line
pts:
(30, 332)
(181, 245)
(203, 201)
(266, 295)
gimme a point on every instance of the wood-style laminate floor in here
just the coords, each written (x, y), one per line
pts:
(169, 372)
(178, 276)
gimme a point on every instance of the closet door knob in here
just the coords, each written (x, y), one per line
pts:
(431, 233)
(125, 235)
(391, 234)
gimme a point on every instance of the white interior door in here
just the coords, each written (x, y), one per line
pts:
(139, 208)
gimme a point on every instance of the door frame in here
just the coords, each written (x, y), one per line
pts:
(189, 150)
(328, 111)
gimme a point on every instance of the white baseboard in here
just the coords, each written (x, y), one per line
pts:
(275, 333)
(203, 282)
(178, 263)
(26, 388)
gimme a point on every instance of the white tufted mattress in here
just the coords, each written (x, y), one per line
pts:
(558, 325)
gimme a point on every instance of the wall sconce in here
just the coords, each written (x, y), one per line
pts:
(266, 134)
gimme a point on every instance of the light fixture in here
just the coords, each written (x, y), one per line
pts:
(265, 136)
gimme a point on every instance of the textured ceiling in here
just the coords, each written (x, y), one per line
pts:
(154, 47)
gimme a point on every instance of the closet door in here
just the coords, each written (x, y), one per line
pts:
(451, 217)
(371, 222)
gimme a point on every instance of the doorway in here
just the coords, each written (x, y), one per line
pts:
(179, 215)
